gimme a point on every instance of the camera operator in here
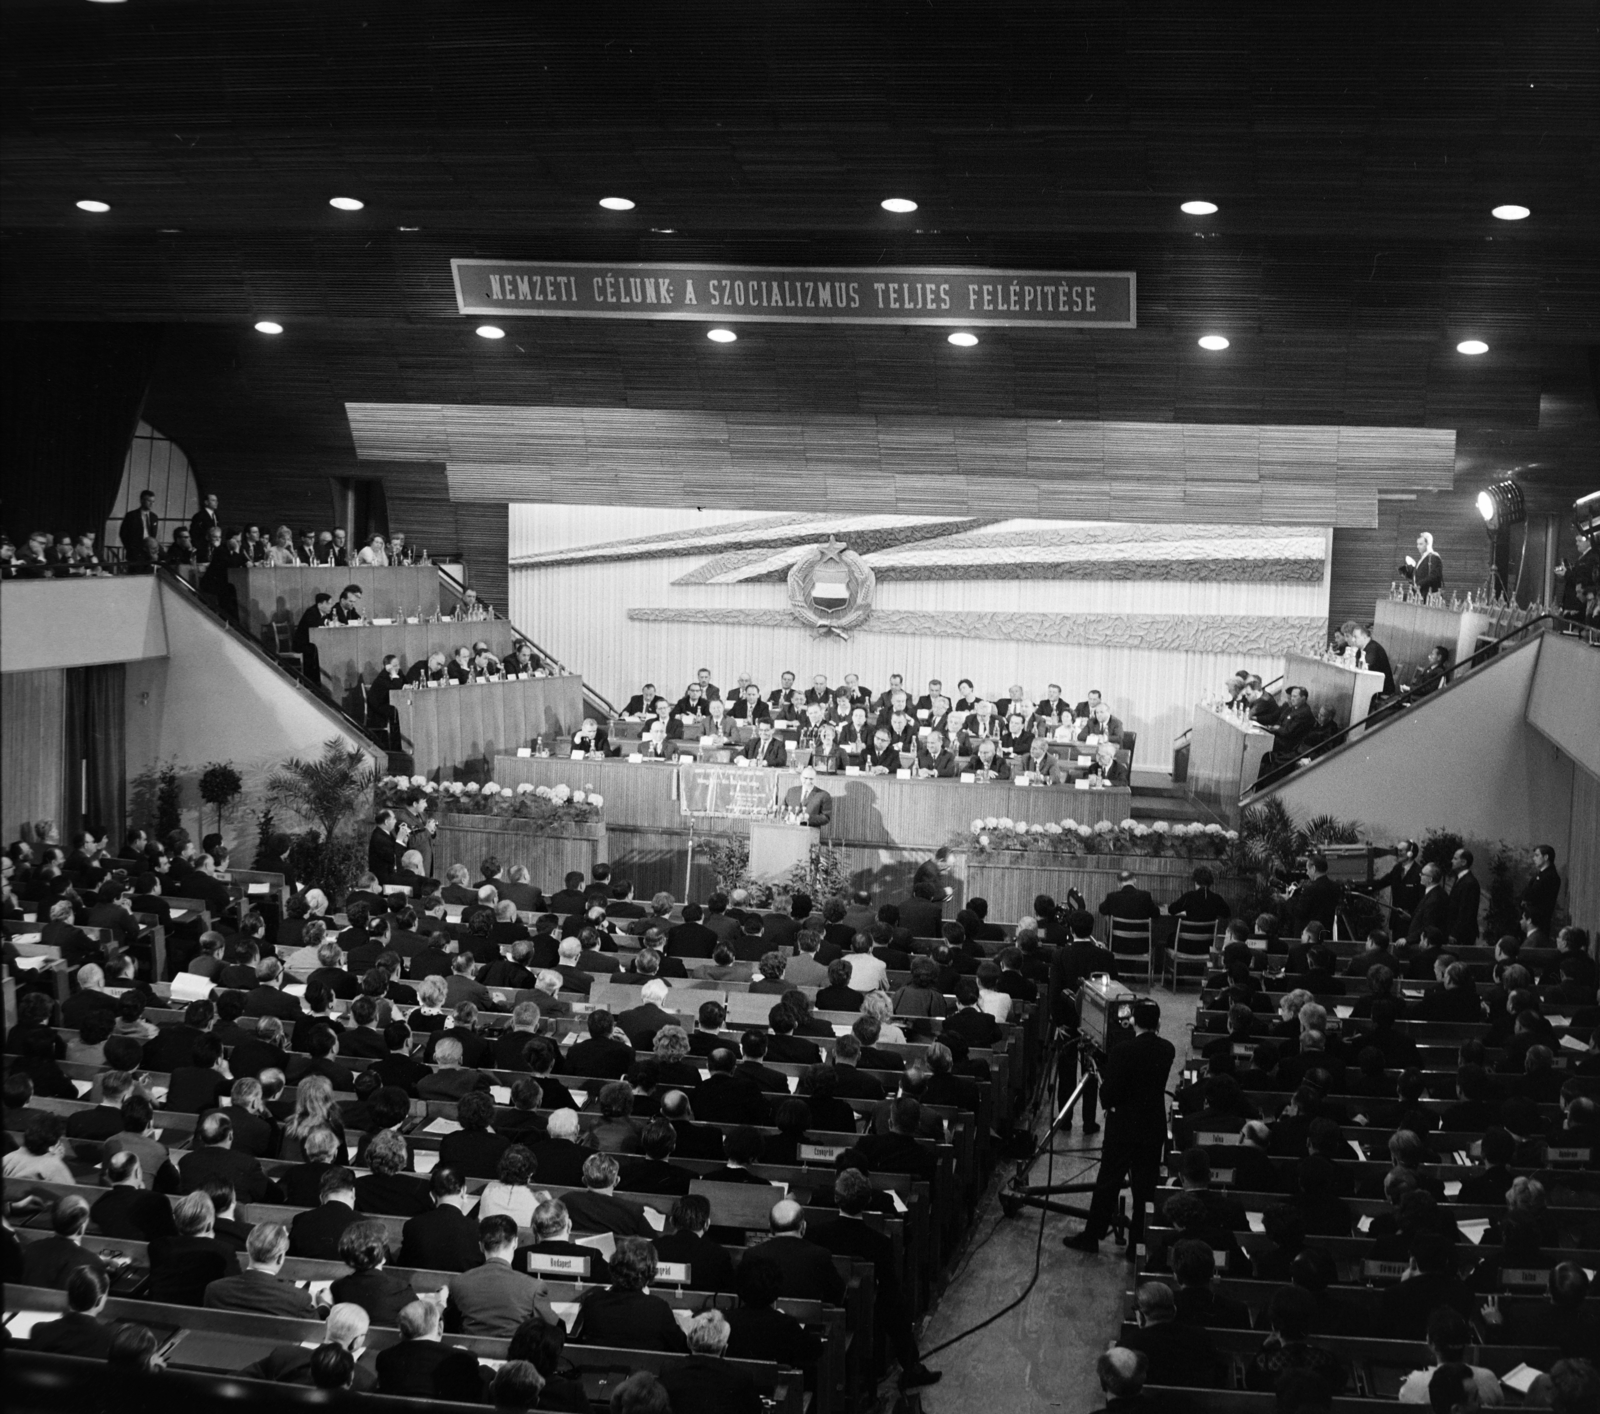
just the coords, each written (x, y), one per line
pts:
(1317, 900)
(1079, 959)
(1133, 1086)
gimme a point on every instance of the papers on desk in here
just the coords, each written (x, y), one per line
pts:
(425, 1160)
(1360, 1153)
(635, 758)
(1452, 1188)
(567, 1311)
(656, 1220)
(1572, 1043)
(1344, 1013)
(1082, 783)
(968, 778)
(524, 751)
(1360, 1120)
(1363, 1223)
(1521, 1379)
(158, 1093)
(21, 1323)
(895, 1198)
(83, 1087)
(605, 1243)
(191, 987)
(28, 938)
(441, 1126)
(1473, 1229)
(31, 964)
(794, 1084)
(683, 1316)
(258, 888)
(501, 1094)
(840, 1029)
(1257, 1221)
(581, 1097)
(295, 989)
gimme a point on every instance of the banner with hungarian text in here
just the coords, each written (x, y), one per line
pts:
(946, 296)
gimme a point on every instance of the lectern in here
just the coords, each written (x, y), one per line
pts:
(776, 847)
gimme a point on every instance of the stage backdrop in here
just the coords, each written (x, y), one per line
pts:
(1154, 616)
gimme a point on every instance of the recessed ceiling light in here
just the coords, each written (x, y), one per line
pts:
(268, 326)
(1511, 213)
(345, 203)
(490, 331)
(408, 228)
(1472, 347)
(105, 2)
(1198, 208)
(1215, 342)
(96, 206)
(901, 206)
(721, 336)
(963, 340)
(616, 203)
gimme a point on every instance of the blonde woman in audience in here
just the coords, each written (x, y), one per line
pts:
(429, 1012)
(508, 1191)
(373, 552)
(313, 1106)
(282, 551)
(878, 1004)
(305, 959)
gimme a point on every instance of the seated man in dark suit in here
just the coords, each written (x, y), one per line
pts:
(81, 1330)
(807, 1269)
(421, 1366)
(317, 1233)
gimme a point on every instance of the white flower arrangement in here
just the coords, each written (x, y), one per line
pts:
(490, 788)
(416, 781)
(991, 822)
(1069, 824)
(1084, 832)
(526, 788)
(431, 787)
(1161, 827)
(1232, 836)
(977, 825)
(1005, 822)
(1103, 827)
(544, 793)
(596, 800)
(1213, 829)
(561, 794)
(473, 788)
(983, 842)
(1020, 826)
(578, 797)
(1051, 828)
(1125, 824)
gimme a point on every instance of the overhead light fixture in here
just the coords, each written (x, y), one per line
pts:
(1511, 212)
(1214, 342)
(268, 326)
(721, 336)
(490, 331)
(616, 203)
(408, 228)
(963, 340)
(1199, 208)
(345, 203)
(1502, 505)
(901, 206)
(95, 206)
(1472, 347)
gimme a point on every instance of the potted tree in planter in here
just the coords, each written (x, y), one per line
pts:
(330, 790)
(220, 786)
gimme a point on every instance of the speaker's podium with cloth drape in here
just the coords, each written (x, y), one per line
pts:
(777, 845)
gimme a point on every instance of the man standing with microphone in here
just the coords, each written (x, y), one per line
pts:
(1133, 1089)
(1426, 571)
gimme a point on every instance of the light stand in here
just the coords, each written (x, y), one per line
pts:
(1020, 1194)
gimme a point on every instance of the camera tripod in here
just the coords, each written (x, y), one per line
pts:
(1019, 1193)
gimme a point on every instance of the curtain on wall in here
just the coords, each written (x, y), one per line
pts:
(32, 751)
(72, 399)
(97, 748)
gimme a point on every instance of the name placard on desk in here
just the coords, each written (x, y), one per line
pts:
(819, 1153)
(675, 1273)
(552, 1264)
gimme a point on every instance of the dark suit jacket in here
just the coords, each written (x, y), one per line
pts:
(1540, 896)
(1317, 900)
(608, 1059)
(317, 1233)
(135, 1214)
(766, 1333)
(1432, 912)
(691, 940)
(1130, 903)
(628, 1318)
(604, 1212)
(381, 1294)
(181, 1268)
(74, 1334)
(444, 1240)
(260, 1292)
(807, 1267)
(430, 1369)
(774, 753)
(1461, 921)
(1133, 1088)
(710, 1386)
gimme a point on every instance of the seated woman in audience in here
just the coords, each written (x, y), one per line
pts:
(389, 1189)
(509, 1192)
(43, 1153)
(879, 1006)
(671, 1050)
(374, 552)
(540, 1343)
(281, 552)
(921, 996)
(364, 1248)
(1290, 1312)
(313, 1107)
(855, 735)
(625, 1314)
(988, 764)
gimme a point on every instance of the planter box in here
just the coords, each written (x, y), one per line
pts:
(469, 839)
(1011, 881)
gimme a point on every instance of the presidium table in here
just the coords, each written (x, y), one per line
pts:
(271, 594)
(353, 653)
(454, 733)
(883, 827)
(1225, 755)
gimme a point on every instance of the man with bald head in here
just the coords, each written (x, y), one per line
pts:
(1122, 1375)
(291, 1364)
(808, 1270)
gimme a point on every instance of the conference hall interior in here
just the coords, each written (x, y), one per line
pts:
(800, 709)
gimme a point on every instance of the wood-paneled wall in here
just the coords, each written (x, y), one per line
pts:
(33, 749)
(1583, 851)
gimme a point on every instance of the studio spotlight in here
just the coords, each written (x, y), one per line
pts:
(1502, 505)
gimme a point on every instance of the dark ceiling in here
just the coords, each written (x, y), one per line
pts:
(1355, 152)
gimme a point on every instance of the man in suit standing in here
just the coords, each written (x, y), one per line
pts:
(1371, 655)
(204, 521)
(765, 749)
(1433, 911)
(1426, 571)
(1404, 882)
(1539, 897)
(138, 527)
(815, 804)
(1465, 894)
(1133, 1089)
(382, 852)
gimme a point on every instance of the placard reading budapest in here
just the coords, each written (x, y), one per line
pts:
(967, 298)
